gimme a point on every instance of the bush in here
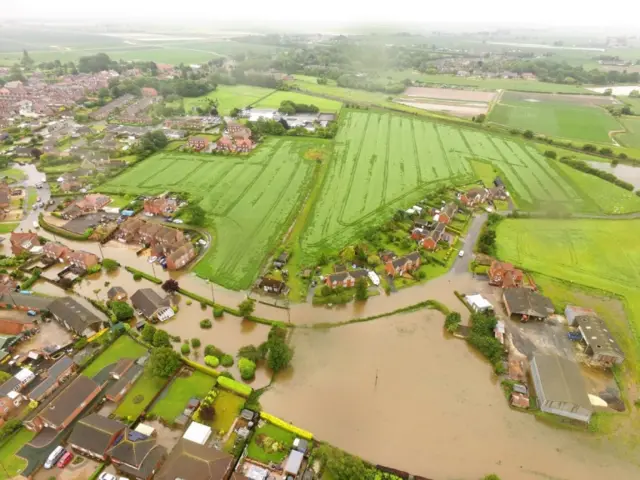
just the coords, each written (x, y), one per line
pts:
(80, 344)
(137, 276)
(551, 154)
(226, 375)
(218, 312)
(214, 351)
(226, 361)
(206, 323)
(211, 361)
(452, 321)
(110, 265)
(184, 349)
(195, 342)
(251, 352)
(247, 368)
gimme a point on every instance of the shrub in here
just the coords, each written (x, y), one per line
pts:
(110, 265)
(251, 352)
(214, 351)
(247, 368)
(137, 276)
(184, 349)
(206, 323)
(80, 344)
(203, 305)
(218, 312)
(551, 154)
(240, 388)
(195, 342)
(452, 321)
(226, 374)
(226, 361)
(211, 361)
(286, 426)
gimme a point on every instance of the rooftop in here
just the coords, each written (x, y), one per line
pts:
(597, 336)
(561, 380)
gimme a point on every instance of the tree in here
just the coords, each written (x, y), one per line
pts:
(110, 265)
(250, 352)
(184, 349)
(161, 339)
(279, 356)
(122, 310)
(341, 465)
(36, 153)
(27, 61)
(171, 286)
(4, 376)
(634, 93)
(195, 214)
(247, 368)
(235, 112)
(527, 134)
(246, 307)
(348, 254)
(626, 110)
(452, 321)
(164, 362)
(148, 332)
(550, 154)
(373, 260)
(362, 289)
(195, 342)
(480, 118)
(491, 476)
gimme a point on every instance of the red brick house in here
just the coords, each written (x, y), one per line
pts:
(430, 242)
(346, 279)
(233, 126)
(224, 144)
(23, 242)
(244, 145)
(181, 256)
(198, 143)
(505, 275)
(52, 378)
(149, 92)
(447, 213)
(402, 265)
(160, 206)
(56, 251)
(89, 204)
(82, 259)
(93, 435)
(474, 197)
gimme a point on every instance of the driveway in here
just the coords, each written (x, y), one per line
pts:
(548, 337)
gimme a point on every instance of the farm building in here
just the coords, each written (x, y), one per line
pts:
(524, 303)
(572, 312)
(75, 317)
(601, 346)
(560, 387)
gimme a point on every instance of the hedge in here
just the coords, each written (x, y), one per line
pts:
(201, 368)
(286, 426)
(97, 471)
(236, 387)
(61, 231)
(151, 278)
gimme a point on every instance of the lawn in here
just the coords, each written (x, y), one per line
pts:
(175, 398)
(632, 137)
(11, 463)
(123, 347)
(227, 407)
(276, 98)
(140, 395)
(8, 227)
(15, 173)
(32, 196)
(229, 97)
(120, 201)
(485, 172)
(260, 452)
(556, 116)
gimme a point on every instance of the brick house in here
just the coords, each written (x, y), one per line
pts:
(128, 231)
(181, 256)
(160, 206)
(346, 279)
(198, 143)
(447, 213)
(402, 265)
(121, 387)
(505, 275)
(475, 196)
(430, 242)
(82, 259)
(50, 380)
(149, 92)
(224, 144)
(93, 435)
(167, 239)
(56, 251)
(271, 285)
(244, 145)
(23, 242)
(234, 127)
(89, 204)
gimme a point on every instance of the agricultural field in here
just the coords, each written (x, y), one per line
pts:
(575, 117)
(457, 102)
(229, 97)
(276, 98)
(250, 200)
(631, 138)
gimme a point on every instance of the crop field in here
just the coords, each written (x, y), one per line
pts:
(229, 97)
(276, 98)
(250, 200)
(565, 116)
(632, 137)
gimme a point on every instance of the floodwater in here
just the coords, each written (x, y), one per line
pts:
(628, 173)
(619, 90)
(398, 392)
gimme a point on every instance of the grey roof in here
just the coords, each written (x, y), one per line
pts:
(9, 386)
(114, 291)
(62, 365)
(523, 301)
(561, 380)
(64, 405)
(148, 301)
(192, 461)
(597, 335)
(137, 450)
(75, 314)
(95, 432)
(411, 257)
(133, 371)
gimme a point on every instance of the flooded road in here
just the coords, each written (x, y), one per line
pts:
(397, 392)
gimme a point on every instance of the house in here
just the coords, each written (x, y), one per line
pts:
(387, 256)
(430, 242)
(282, 260)
(160, 206)
(478, 303)
(119, 389)
(94, 435)
(224, 144)
(346, 279)
(244, 145)
(137, 455)
(560, 387)
(151, 305)
(505, 275)
(8, 405)
(403, 265)
(23, 242)
(447, 213)
(89, 204)
(15, 326)
(525, 303)
(63, 409)
(191, 461)
(475, 196)
(198, 143)
(181, 256)
(18, 382)
(117, 294)
(56, 251)
(271, 285)
(83, 260)
(149, 92)
(51, 379)
(75, 317)
(601, 346)
(234, 127)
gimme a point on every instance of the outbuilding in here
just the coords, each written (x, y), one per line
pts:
(478, 303)
(197, 433)
(294, 462)
(601, 346)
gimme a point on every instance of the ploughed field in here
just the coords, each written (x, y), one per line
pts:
(574, 117)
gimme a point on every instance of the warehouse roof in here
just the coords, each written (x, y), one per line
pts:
(561, 380)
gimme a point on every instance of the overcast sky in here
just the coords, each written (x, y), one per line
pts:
(541, 12)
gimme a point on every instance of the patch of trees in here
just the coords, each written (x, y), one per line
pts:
(586, 168)
(290, 108)
(122, 310)
(562, 72)
(487, 239)
(483, 339)
(96, 63)
(151, 142)
(164, 362)
(370, 84)
(341, 465)
(263, 127)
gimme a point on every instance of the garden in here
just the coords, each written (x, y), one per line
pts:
(12, 464)
(140, 395)
(173, 401)
(270, 443)
(123, 347)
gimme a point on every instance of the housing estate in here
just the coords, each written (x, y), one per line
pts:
(151, 305)
(403, 265)
(75, 317)
(526, 304)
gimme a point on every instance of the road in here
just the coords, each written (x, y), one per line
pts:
(461, 265)
(33, 177)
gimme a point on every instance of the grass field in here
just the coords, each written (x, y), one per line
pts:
(250, 200)
(632, 137)
(140, 395)
(123, 347)
(174, 400)
(229, 97)
(283, 437)
(11, 463)
(276, 98)
(13, 173)
(556, 116)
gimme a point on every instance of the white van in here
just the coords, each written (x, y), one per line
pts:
(53, 458)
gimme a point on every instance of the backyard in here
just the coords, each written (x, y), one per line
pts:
(140, 395)
(12, 464)
(270, 444)
(227, 407)
(123, 347)
(174, 400)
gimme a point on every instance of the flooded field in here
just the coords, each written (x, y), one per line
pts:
(628, 173)
(397, 392)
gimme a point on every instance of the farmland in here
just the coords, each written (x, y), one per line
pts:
(276, 98)
(250, 201)
(632, 137)
(565, 116)
(229, 97)
(457, 102)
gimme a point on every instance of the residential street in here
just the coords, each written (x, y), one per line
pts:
(461, 265)
(33, 177)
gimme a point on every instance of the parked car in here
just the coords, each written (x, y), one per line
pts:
(178, 221)
(64, 460)
(32, 313)
(107, 476)
(54, 456)
(148, 214)
(461, 253)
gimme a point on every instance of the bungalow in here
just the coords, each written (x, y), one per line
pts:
(93, 435)
(402, 265)
(50, 380)
(181, 256)
(83, 260)
(447, 213)
(474, 197)
(117, 294)
(271, 285)
(191, 461)
(56, 251)
(124, 382)
(430, 242)
(198, 143)
(23, 242)
(137, 455)
(18, 382)
(160, 206)
(525, 303)
(505, 275)
(75, 317)
(151, 305)
(346, 279)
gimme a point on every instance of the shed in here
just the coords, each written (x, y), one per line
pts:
(572, 312)
(601, 346)
(294, 462)
(145, 429)
(197, 433)
(478, 303)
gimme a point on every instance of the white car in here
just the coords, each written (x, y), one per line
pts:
(461, 253)
(107, 476)
(178, 221)
(54, 456)
(148, 214)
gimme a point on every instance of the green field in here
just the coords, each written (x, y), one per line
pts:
(8, 227)
(229, 97)
(11, 463)
(632, 137)
(123, 347)
(250, 200)
(556, 116)
(140, 395)
(276, 98)
(174, 400)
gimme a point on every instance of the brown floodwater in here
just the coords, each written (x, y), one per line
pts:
(398, 392)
